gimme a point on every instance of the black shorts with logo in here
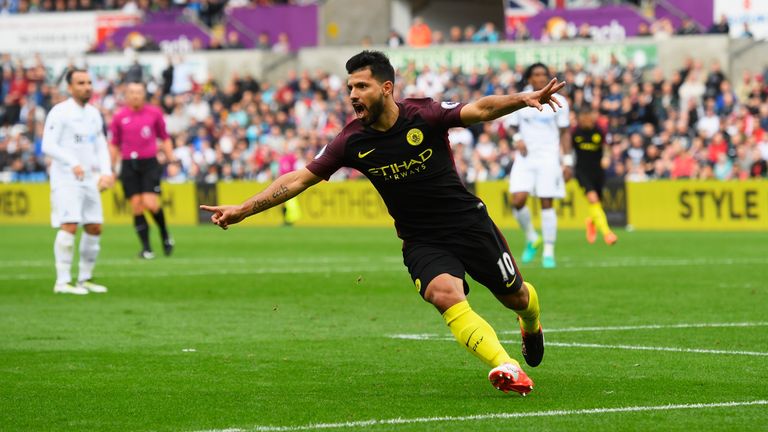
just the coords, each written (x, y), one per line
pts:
(479, 250)
(140, 176)
(591, 180)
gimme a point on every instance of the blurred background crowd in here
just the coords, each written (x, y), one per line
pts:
(696, 123)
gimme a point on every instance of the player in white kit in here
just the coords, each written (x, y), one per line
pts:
(80, 168)
(539, 138)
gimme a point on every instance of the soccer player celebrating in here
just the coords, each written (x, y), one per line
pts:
(589, 144)
(539, 137)
(74, 140)
(135, 130)
(402, 148)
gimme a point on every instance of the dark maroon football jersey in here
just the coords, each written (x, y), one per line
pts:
(411, 166)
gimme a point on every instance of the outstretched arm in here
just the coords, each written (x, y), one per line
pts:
(284, 188)
(492, 107)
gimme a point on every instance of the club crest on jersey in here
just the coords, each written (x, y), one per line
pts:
(414, 137)
(449, 105)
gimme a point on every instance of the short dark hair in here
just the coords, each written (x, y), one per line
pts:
(531, 68)
(376, 61)
(73, 71)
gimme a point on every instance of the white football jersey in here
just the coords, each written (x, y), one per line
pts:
(74, 135)
(540, 130)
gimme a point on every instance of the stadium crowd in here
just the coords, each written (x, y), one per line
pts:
(201, 6)
(696, 123)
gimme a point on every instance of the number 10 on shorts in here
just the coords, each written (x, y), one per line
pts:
(506, 266)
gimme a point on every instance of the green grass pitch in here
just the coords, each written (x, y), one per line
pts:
(255, 328)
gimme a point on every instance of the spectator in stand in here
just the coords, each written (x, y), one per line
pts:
(747, 33)
(585, 32)
(215, 43)
(683, 164)
(469, 32)
(688, 27)
(395, 39)
(211, 11)
(419, 35)
(643, 30)
(720, 27)
(233, 40)
(283, 44)
(662, 29)
(718, 146)
(486, 34)
(263, 42)
(455, 35)
(521, 32)
(691, 90)
(709, 123)
(438, 38)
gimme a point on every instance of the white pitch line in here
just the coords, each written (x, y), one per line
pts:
(664, 262)
(492, 416)
(603, 346)
(652, 348)
(647, 327)
(424, 336)
(222, 260)
(222, 272)
(619, 262)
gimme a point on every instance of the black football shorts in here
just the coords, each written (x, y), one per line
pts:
(591, 181)
(140, 176)
(479, 250)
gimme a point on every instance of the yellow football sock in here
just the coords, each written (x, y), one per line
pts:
(530, 315)
(598, 218)
(476, 335)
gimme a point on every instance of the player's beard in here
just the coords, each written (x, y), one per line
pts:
(374, 112)
(84, 97)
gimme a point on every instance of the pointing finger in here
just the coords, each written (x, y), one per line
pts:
(549, 85)
(554, 105)
(556, 102)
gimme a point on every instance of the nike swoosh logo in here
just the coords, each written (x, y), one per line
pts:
(362, 155)
(509, 284)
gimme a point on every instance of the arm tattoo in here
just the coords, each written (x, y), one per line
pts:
(283, 190)
(266, 203)
(260, 205)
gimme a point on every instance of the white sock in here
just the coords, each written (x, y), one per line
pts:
(63, 249)
(549, 230)
(89, 251)
(523, 217)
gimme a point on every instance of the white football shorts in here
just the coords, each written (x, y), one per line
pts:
(539, 177)
(78, 203)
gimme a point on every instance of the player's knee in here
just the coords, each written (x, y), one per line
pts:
(444, 291)
(518, 201)
(93, 229)
(137, 206)
(151, 204)
(515, 301)
(69, 227)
